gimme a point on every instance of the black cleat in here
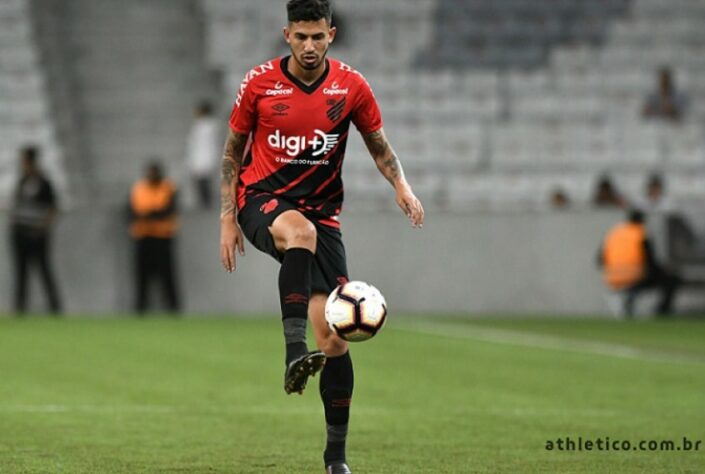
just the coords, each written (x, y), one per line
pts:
(338, 468)
(301, 369)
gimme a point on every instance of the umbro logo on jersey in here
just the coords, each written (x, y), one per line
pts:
(280, 90)
(320, 144)
(335, 90)
(280, 109)
(336, 110)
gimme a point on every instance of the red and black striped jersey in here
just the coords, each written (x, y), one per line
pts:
(298, 133)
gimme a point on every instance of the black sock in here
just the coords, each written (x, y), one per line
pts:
(294, 293)
(337, 380)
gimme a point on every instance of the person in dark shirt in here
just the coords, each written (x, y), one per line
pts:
(32, 218)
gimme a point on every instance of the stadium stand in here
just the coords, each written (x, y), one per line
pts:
(513, 33)
(542, 93)
(25, 115)
(532, 95)
(125, 85)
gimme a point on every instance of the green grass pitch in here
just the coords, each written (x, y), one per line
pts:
(432, 395)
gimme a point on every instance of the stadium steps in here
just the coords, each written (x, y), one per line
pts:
(27, 114)
(138, 71)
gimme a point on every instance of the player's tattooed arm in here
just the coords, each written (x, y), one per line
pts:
(231, 239)
(385, 157)
(230, 173)
(390, 167)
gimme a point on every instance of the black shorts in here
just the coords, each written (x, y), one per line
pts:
(329, 266)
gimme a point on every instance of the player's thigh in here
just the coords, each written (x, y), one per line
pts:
(256, 219)
(291, 229)
(326, 340)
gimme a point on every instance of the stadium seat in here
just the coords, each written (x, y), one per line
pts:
(521, 94)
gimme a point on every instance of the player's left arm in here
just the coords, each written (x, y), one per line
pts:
(389, 165)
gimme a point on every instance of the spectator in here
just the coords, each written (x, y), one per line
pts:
(203, 153)
(628, 264)
(606, 194)
(666, 103)
(559, 199)
(154, 225)
(32, 217)
(654, 199)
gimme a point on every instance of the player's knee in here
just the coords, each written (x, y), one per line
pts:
(333, 346)
(303, 235)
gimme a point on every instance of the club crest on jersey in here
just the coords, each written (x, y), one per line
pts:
(335, 90)
(279, 90)
(269, 206)
(320, 144)
(336, 110)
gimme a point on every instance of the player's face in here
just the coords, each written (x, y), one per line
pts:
(309, 42)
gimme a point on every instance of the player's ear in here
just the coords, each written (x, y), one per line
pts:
(331, 34)
(287, 34)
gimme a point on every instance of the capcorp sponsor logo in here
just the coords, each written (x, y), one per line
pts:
(335, 90)
(279, 90)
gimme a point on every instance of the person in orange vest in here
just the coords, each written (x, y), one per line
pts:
(154, 225)
(628, 264)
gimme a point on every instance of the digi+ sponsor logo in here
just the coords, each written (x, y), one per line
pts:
(335, 90)
(279, 90)
(320, 144)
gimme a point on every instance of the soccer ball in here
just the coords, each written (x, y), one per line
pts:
(356, 311)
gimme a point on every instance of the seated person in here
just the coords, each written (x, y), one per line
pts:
(655, 199)
(628, 264)
(606, 194)
(666, 102)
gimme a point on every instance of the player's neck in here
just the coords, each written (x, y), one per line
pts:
(307, 76)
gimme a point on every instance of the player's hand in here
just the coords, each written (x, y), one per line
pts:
(231, 239)
(410, 204)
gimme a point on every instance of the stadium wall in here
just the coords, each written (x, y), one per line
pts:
(528, 263)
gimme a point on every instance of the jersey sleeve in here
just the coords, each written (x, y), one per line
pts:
(366, 115)
(243, 115)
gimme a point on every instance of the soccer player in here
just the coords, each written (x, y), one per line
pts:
(282, 188)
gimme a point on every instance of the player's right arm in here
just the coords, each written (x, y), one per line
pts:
(231, 238)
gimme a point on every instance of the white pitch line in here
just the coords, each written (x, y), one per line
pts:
(44, 409)
(54, 408)
(183, 409)
(541, 341)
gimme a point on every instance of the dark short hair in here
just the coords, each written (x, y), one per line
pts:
(655, 179)
(154, 164)
(636, 216)
(309, 10)
(205, 107)
(30, 153)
